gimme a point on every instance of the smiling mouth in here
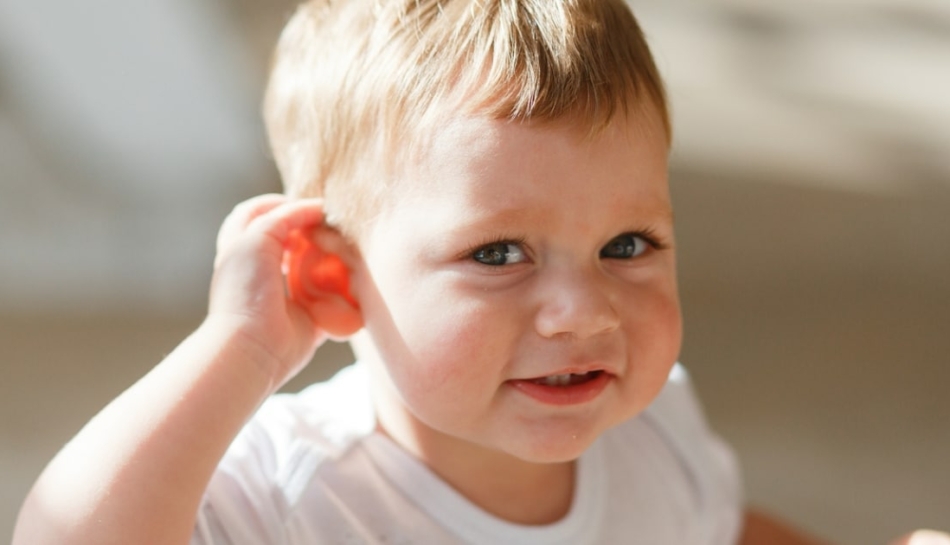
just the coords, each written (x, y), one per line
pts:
(570, 379)
(566, 389)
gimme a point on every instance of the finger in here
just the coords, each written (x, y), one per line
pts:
(243, 214)
(281, 221)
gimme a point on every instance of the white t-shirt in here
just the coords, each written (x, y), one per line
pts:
(309, 468)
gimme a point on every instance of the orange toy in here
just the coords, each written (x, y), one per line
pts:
(311, 272)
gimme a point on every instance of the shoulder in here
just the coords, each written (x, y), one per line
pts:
(701, 469)
(676, 416)
(325, 419)
(676, 411)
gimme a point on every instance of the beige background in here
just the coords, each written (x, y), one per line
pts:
(811, 180)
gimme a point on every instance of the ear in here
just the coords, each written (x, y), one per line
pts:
(319, 281)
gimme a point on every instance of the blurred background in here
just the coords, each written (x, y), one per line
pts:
(811, 175)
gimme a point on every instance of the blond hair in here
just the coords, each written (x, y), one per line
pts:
(353, 80)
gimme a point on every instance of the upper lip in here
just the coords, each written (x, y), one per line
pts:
(562, 359)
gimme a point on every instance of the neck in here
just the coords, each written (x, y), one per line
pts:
(500, 484)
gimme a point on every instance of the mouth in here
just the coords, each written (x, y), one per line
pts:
(569, 379)
(565, 389)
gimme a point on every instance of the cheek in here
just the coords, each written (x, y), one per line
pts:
(664, 322)
(656, 311)
(439, 340)
(453, 361)
(462, 344)
(654, 334)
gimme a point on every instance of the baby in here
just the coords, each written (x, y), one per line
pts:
(477, 199)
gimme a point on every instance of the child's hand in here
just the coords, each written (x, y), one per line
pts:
(262, 241)
(136, 472)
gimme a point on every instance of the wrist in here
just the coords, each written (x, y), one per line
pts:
(243, 347)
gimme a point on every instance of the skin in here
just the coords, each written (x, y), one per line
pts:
(446, 334)
(136, 472)
(762, 529)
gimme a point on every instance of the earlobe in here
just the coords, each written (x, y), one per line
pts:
(319, 281)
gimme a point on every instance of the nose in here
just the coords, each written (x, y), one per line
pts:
(578, 305)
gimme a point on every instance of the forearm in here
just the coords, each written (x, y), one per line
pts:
(136, 472)
(762, 529)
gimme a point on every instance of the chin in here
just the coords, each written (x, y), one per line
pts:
(552, 455)
(553, 448)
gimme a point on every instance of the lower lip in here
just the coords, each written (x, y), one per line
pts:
(563, 395)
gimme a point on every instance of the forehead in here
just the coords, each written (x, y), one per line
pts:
(468, 159)
(479, 177)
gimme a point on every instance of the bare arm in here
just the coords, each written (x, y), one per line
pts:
(761, 529)
(137, 471)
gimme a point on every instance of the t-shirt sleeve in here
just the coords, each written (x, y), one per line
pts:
(256, 489)
(710, 461)
(244, 503)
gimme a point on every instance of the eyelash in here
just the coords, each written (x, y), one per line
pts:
(470, 252)
(648, 235)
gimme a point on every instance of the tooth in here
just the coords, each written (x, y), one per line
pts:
(567, 379)
(554, 380)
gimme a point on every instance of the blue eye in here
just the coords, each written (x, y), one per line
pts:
(498, 254)
(625, 246)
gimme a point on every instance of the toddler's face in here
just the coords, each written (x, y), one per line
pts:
(519, 286)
